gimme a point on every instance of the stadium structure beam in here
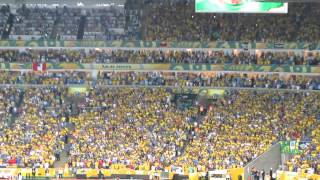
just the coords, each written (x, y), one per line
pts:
(70, 3)
(297, 1)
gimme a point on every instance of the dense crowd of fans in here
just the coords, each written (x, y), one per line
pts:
(160, 56)
(37, 134)
(244, 124)
(131, 127)
(177, 21)
(308, 160)
(142, 127)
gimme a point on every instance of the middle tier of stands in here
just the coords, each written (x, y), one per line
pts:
(145, 56)
(166, 79)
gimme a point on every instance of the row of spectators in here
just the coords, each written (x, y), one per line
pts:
(160, 56)
(181, 79)
(169, 21)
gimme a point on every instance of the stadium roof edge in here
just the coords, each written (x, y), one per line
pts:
(297, 1)
(70, 3)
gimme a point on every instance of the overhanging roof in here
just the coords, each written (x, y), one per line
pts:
(71, 3)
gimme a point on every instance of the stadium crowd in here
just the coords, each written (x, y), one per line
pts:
(36, 137)
(178, 21)
(149, 132)
(244, 124)
(308, 160)
(142, 127)
(172, 79)
(160, 56)
(167, 21)
(131, 127)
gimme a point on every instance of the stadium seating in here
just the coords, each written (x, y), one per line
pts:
(63, 23)
(36, 22)
(91, 105)
(172, 21)
(175, 21)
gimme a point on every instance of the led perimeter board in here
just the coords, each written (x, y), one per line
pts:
(240, 6)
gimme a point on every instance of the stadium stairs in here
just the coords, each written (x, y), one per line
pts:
(82, 24)
(54, 33)
(8, 27)
(199, 120)
(64, 156)
(19, 103)
(269, 159)
(63, 160)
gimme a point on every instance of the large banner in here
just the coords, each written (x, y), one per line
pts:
(239, 6)
(165, 67)
(293, 147)
(159, 44)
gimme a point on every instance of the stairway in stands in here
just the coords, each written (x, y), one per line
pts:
(83, 21)
(54, 33)
(64, 155)
(8, 27)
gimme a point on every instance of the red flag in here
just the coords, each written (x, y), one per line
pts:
(39, 66)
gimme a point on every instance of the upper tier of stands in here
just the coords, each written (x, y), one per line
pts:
(107, 23)
(167, 21)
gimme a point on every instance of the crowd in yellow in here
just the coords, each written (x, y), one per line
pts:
(37, 133)
(135, 127)
(237, 129)
(309, 160)
(178, 21)
(142, 128)
(245, 124)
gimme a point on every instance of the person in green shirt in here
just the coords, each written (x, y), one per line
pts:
(249, 6)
